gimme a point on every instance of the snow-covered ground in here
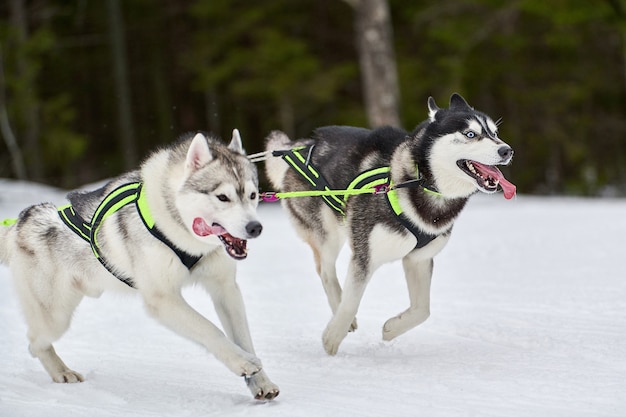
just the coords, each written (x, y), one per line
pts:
(528, 319)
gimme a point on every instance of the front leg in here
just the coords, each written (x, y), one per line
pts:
(230, 308)
(418, 274)
(171, 310)
(326, 249)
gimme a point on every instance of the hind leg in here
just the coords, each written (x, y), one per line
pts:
(325, 253)
(44, 329)
(418, 275)
(48, 314)
(326, 243)
(339, 325)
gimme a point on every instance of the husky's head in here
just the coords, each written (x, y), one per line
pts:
(219, 195)
(462, 147)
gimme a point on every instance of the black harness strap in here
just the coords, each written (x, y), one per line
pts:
(295, 159)
(422, 237)
(186, 258)
(75, 222)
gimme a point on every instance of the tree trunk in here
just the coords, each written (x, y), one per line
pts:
(5, 127)
(26, 98)
(379, 77)
(620, 13)
(118, 50)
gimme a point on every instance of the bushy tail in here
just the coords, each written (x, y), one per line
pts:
(275, 167)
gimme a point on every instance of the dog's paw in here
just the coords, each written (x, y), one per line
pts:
(244, 364)
(390, 330)
(68, 377)
(261, 387)
(332, 339)
(404, 322)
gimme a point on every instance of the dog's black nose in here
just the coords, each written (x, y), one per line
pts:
(505, 152)
(254, 229)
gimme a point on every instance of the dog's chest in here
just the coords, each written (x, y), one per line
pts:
(387, 245)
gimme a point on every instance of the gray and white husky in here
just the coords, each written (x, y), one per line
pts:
(424, 179)
(182, 218)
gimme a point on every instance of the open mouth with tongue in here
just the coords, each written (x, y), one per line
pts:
(487, 177)
(235, 247)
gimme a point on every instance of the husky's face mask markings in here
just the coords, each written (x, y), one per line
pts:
(226, 210)
(468, 154)
(233, 214)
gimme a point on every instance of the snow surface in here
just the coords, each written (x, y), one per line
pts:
(528, 319)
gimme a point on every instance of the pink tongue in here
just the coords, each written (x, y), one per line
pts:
(201, 228)
(508, 188)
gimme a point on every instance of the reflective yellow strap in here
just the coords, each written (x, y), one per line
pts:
(303, 161)
(113, 195)
(83, 230)
(9, 222)
(111, 204)
(294, 166)
(144, 210)
(366, 174)
(321, 193)
(392, 196)
(368, 185)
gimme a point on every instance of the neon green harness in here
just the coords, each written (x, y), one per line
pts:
(373, 181)
(121, 197)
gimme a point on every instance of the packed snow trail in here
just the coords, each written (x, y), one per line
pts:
(528, 319)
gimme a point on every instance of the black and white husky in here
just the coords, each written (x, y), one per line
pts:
(422, 180)
(182, 218)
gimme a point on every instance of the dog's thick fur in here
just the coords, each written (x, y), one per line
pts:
(196, 189)
(454, 150)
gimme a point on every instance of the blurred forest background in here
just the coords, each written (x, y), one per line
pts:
(89, 87)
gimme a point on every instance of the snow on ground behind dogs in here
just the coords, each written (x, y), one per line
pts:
(528, 319)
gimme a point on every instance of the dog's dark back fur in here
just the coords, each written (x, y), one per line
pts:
(357, 144)
(339, 153)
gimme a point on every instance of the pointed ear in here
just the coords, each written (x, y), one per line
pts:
(432, 109)
(458, 103)
(235, 143)
(198, 154)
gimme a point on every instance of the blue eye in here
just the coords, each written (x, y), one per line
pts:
(470, 134)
